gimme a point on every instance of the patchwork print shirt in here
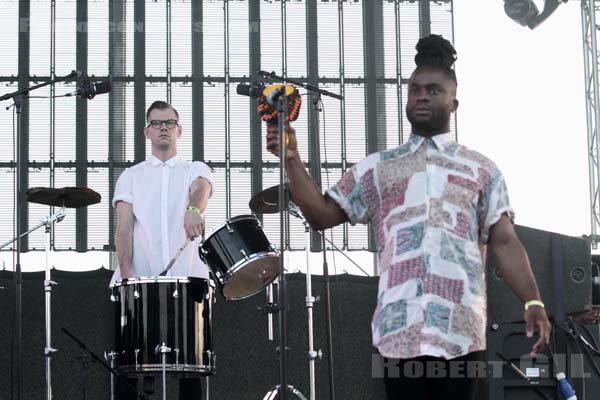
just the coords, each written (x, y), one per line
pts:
(432, 203)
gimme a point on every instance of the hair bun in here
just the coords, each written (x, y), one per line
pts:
(436, 51)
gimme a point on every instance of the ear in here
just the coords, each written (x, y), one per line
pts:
(454, 105)
(146, 131)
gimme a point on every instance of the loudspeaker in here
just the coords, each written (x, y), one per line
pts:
(508, 349)
(596, 279)
(576, 279)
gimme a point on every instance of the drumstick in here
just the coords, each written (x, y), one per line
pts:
(170, 264)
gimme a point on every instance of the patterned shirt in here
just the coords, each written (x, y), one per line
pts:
(432, 203)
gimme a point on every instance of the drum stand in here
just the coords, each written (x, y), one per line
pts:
(48, 350)
(163, 350)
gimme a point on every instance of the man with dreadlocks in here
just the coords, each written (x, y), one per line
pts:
(435, 205)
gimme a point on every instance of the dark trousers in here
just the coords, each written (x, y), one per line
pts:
(432, 378)
(189, 388)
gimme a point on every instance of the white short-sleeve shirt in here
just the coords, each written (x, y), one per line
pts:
(160, 193)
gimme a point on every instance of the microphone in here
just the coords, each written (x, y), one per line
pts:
(268, 96)
(89, 89)
(255, 90)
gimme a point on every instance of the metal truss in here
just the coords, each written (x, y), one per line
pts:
(589, 11)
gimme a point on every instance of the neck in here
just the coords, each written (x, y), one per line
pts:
(429, 133)
(164, 155)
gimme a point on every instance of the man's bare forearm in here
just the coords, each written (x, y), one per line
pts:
(320, 211)
(199, 194)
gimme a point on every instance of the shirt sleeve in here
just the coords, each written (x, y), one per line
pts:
(123, 189)
(201, 170)
(493, 204)
(350, 193)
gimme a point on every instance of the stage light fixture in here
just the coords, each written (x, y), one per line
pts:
(526, 13)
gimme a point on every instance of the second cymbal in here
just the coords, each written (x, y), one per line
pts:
(69, 197)
(267, 201)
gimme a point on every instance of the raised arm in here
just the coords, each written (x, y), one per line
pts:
(124, 238)
(320, 211)
(193, 221)
(512, 261)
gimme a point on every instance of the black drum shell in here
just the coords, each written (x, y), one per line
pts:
(240, 256)
(170, 310)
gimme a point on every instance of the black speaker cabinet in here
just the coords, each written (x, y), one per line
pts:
(503, 304)
(508, 350)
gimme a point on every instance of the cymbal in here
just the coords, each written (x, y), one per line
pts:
(266, 202)
(70, 197)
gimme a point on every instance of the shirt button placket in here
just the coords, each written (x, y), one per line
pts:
(164, 206)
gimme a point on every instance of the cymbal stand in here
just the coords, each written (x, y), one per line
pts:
(48, 350)
(19, 98)
(310, 301)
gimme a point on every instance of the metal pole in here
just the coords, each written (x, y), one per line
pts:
(310, 301)
(48, 293)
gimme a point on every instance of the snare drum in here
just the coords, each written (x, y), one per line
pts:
(174, 311)
(241, 257)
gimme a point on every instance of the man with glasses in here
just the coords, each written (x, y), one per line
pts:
(160, 203)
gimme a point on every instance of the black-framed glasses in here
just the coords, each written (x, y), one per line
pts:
(157, 123)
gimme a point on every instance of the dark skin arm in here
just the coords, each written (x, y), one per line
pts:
(320, 211)
(512, 261)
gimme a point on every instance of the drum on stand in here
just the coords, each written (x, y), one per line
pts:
(241, 257)
(173, 312)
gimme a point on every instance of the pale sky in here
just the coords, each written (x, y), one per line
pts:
(522, 103)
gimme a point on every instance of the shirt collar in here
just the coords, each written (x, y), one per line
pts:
(155, 162)
(440, 141)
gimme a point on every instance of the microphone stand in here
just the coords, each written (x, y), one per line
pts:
(316, 142)
(17, 98)
(282, 299)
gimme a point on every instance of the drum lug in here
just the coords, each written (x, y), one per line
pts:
(212, 359)
(243, 253)
(176, 292)
(176, 356)
(136, 292)
(137, 353)
(229, 229)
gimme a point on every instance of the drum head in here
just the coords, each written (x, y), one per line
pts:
(251, 277)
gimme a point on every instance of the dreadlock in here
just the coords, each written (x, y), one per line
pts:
(435, 51)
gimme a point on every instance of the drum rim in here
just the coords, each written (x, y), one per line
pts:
(223, 224)
(158, 279)
(237, 266)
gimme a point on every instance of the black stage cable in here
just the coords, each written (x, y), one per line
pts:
(335, 284)
(570, 333)
(595, 345)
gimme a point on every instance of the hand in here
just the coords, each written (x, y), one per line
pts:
(193, 224)
(535, 317)
(273, 139)
(126, 272)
